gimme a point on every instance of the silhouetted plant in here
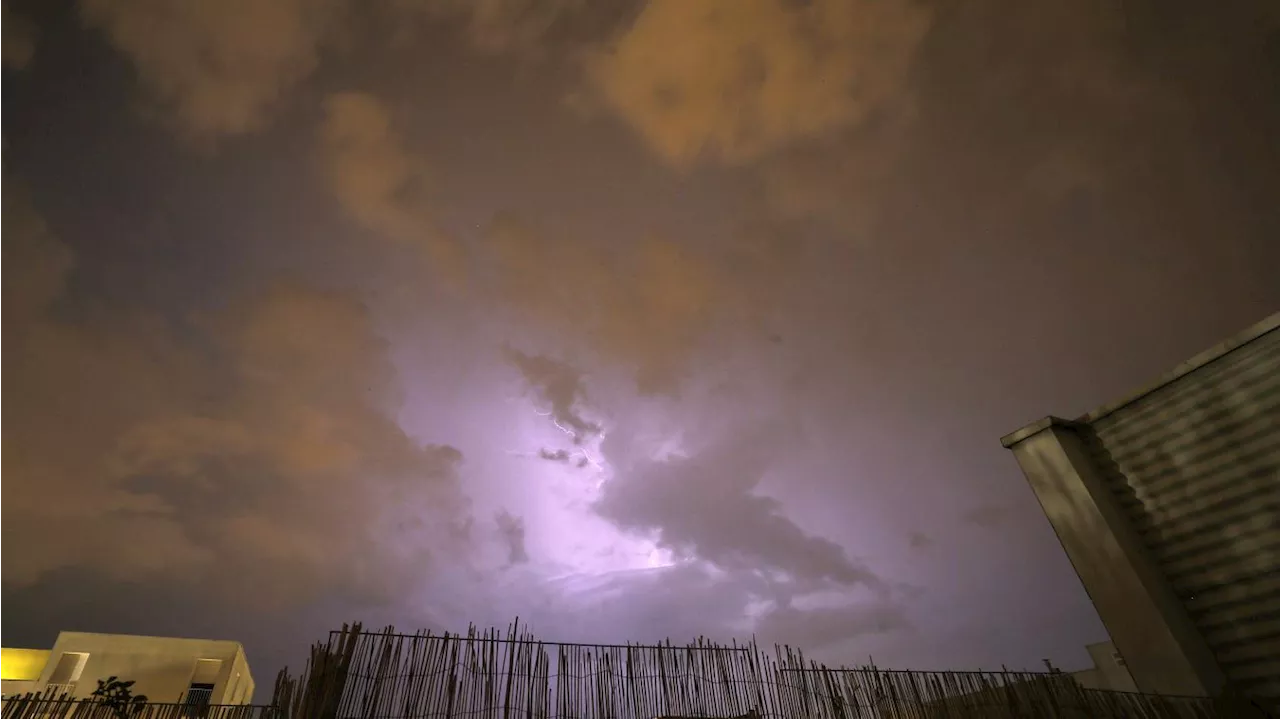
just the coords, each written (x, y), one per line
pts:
(118, 696)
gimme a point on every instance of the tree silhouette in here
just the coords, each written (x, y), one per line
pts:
(118, 696)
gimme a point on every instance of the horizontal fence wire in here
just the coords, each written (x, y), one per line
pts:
(488, 674)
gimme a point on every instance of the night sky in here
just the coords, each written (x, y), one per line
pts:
(634, 319)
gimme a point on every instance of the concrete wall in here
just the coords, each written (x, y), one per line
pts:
(1168, 504)
(13, 687)
(162, 667)
(240, 686)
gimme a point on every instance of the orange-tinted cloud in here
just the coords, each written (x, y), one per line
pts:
(494, 25)
(644, 306)
(217, 67)
(37, 262)
(20, 36)
(840, 179)
(265, 451)
(733, 80)
(224, 67)
(377, 180)
(71, 387)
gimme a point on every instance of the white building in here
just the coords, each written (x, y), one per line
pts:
(165, 669)
(1109, 670)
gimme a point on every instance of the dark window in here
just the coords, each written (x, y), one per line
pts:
(198, 694)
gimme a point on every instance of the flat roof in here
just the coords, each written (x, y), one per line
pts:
(69, 633)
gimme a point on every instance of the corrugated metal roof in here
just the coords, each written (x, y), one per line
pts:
(1194, 462)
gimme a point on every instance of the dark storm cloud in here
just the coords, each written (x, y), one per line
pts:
(706, 506)
(560, 387)
(264, 451)
(1087, 114)
(226, 68)
(511, 528)
(37, 264)
(217, 68)
(561, 455)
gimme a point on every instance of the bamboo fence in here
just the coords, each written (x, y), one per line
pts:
(490, 674)
(49, 706)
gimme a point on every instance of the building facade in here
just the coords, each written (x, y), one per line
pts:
(165, 669)
(1110, 671)
(1167, 502)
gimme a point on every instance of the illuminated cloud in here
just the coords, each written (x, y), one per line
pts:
(379, 183)
(20, 37)
(264, 452)
(700, 504)
(733, 80)
(680, 602)
(217, 67)
(692, 599)
(819, 627)
(988, 516)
